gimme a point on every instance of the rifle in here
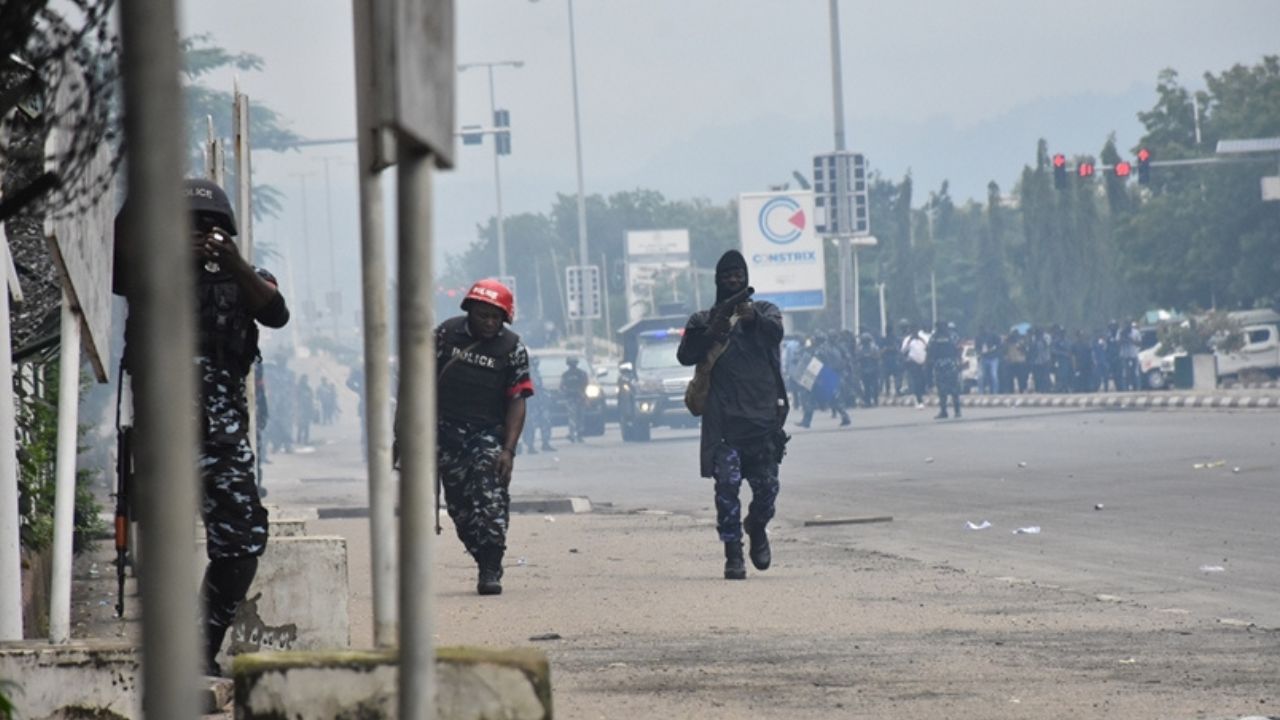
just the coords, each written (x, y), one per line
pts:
(124, 484)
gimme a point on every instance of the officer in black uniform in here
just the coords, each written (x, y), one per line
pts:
(573, 390)
(233, 297)
(483, 380)
(943, 355)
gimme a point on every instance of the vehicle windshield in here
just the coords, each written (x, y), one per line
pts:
(551, 367)
(658, 356)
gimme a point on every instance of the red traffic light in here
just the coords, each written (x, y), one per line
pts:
(1059, 160)
(1123, 169)
(1144, 155)
(1085, 169)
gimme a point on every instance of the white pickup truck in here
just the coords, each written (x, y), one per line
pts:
(1259, 355)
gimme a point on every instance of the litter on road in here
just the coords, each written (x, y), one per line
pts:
(1028, 530)
(1212, 569)
(848, 521)
(545, 636)
(1098, 506)
(978, 526)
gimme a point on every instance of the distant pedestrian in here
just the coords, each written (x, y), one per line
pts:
(989, 350)
(573, 392)
(304, 411)
(915, 354)
(944, 363)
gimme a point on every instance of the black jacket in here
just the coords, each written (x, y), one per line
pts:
(748, 400)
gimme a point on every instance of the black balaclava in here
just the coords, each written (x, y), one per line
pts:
(732, 259)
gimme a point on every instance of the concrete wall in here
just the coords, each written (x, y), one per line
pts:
(84, 674)
(298, 600)
(472, 684)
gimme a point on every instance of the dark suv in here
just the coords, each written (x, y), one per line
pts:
(651, 386)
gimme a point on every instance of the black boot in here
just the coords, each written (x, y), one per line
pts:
(490, 580)
(734, 566)
(761, 557)
(226, 582)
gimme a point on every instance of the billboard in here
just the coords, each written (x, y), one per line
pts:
(654, 259)
(784, 254)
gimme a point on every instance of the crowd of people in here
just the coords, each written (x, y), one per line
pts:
(836, 370)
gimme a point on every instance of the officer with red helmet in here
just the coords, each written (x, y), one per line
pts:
(482, 382)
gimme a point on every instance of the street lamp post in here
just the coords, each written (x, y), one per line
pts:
(497, 172)
(583, 258)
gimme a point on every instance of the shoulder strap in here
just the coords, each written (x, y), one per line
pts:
(445, 368)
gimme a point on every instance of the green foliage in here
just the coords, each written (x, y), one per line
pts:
(8, 711)
(37, 420)
(1203, 236)
(200, 57)
(1201, 334)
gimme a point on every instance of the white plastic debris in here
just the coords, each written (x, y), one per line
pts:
(1235, 469)
(521, 562)
(1022, 464)
(1098, 506)
(978, 526)
(1028, 530)
(928, 460)
(548, 518)
(1212, 569)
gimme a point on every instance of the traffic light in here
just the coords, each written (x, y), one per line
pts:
(1123, 169)
(1085, 169)
(502, 139)
(1144, 166)
(1060, 171)
(472, 135)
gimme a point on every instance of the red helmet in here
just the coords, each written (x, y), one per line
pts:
(492, 293)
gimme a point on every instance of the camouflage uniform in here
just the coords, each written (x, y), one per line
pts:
(469, 432)
(467, 460)
(235, 521)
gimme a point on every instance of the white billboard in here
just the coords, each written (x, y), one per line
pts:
(654, 259)
(784, 254)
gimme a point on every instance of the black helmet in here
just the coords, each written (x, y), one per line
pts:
(204, 196)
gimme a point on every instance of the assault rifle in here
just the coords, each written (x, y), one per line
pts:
(124, 487)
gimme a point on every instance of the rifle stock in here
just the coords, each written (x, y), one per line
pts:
(124, 478)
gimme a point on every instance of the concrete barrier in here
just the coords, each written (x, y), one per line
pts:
(298, 600)
(472, 684)
(97, 679)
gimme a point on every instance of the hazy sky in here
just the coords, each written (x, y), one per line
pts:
(709, 98)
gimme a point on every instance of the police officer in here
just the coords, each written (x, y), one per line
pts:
(742, 437)
(573, 389)
(944, 361)
(233, 297)
(483, 380)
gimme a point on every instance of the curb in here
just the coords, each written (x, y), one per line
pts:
(1140, 401)
(531, 505)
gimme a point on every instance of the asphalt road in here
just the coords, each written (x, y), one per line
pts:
(1163, 530)
(1168, 534)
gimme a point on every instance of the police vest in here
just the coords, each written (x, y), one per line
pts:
(228, 334)
(473, 374)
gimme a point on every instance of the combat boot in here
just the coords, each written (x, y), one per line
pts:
(490, 578)
(761, 556)
(734, 566)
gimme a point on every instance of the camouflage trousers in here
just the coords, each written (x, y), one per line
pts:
(467, 463)
(756, 464)
(234, 519)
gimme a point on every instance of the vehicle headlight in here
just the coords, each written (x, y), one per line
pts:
(593, 392)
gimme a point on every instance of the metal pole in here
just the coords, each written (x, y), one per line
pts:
(497, 184)
(582, 201)
(837, 103)
(333, 277)
(10, 557)
(604, 282)
(65, 474)
(306, 242)
(857, 320)
(377, 373)
(837, 76)
(884, 318)
(164, 383)
(933, 296)
(417, 414)
(843, 257)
